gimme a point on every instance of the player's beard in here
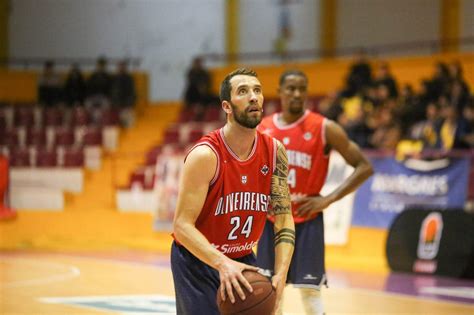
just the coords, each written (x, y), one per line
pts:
(244, 119)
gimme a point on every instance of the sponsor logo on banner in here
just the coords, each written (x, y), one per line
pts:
(428, 243)
(395, 187)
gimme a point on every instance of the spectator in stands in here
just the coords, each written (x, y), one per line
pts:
(425, 130)
(453, 130)
(198, 87)
(456, 74)
(387, 131)
(98, 85)
(384, 77)
(439, 84)
(49, 85)
(75, 86)
(123, 94)
(359, 77)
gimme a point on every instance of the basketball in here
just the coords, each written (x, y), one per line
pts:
(260, 302)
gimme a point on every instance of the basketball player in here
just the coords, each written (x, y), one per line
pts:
(308, 138)
(230, 180)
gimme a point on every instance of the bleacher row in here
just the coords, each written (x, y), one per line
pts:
(33, 136)
(49, 147)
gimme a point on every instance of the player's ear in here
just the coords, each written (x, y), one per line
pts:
(226, 107)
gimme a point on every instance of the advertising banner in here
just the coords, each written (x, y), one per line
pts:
(395, 186)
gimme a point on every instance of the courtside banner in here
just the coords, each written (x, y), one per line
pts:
(396, 186)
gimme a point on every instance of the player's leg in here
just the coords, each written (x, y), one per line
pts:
(307, 270)
(195, 283)
(312, 302)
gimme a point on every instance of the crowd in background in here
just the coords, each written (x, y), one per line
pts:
(101, 89)
(377, 113)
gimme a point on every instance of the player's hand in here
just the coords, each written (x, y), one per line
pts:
(278, 282)
(230, 274)
(307, 206)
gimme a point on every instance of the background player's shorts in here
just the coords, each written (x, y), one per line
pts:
(307, 265)
(195, 282)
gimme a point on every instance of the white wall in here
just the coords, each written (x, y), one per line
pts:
(166, 34)
(379, 22)
(467, 22)
(259, 25)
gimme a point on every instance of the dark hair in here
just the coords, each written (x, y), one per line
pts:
(287, 73)
(226, 87)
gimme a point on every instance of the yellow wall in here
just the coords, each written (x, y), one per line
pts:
(328, 75)
(21, 86)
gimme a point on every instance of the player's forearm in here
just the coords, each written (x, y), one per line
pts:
(361, 173)
(284, 242)
(197, 244)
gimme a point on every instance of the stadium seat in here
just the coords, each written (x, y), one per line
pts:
(35, 136)
(195, 135)
(20, 157)
(92, 136)
(52, 116)
(24, 116)
(63, 136)
(171, 135)
(80, 117)
(212, 113)
(10, 137)
(109, 117)
(152, 155)
(46, 157)
(73, 157)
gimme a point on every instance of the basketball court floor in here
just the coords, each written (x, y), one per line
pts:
(136, 283)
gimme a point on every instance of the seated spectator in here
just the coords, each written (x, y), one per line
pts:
(198, 85)
(49, 85)
(425, 130)
(74, 87)
(452, 129)
(359, 77)
(98, 85)
(384, 77)
(387, 131)
(122, 92)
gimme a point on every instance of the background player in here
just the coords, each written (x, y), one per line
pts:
(308, 138)
(230, 178)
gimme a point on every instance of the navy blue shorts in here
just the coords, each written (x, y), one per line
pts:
(307, 265)
(195, 282)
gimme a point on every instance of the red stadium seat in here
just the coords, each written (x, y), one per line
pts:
(20, 157)
(46, 157)
(171, 135)
(80, 117)
(92, 136)
(109, 117)
(24, 116)
(63, 136)
(36, 136)
(52, 117)
(73, 157)
(195, 135)
(10, 137)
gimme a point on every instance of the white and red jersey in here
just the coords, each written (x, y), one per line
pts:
(304, 141)
(234, 213)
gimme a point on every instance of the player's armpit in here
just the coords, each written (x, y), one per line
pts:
(280, 194)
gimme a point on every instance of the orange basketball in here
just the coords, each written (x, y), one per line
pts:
(261, 301)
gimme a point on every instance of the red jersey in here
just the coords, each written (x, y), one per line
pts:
(235, 210)
(304, 141)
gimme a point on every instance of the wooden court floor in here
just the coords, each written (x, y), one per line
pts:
(136, 283)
